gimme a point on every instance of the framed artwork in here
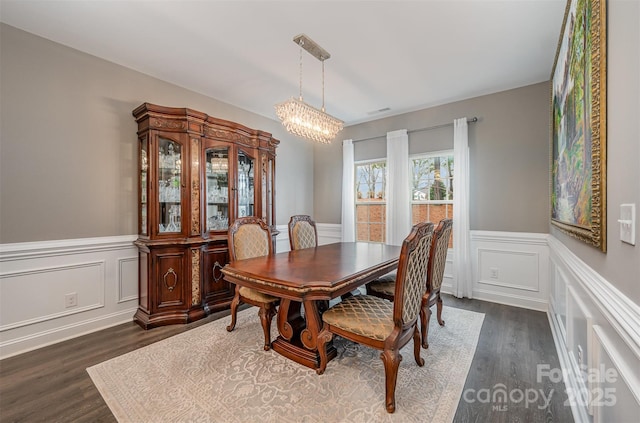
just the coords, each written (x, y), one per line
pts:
(579, 124)
(242, 211)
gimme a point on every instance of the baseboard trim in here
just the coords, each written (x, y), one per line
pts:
(514, 300)
(45, 338)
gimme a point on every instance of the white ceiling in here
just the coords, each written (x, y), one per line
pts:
(401, 55)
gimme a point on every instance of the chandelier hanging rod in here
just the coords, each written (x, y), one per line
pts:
(311, 47)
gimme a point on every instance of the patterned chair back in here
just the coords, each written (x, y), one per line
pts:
(411, 278)
(438, 258)
(302, 232)
(249, 237)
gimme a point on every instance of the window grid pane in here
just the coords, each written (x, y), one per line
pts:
(371, 222)
(370, 187)
(432, 189)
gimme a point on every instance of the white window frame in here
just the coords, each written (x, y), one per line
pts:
(367, 202)
(441, 153)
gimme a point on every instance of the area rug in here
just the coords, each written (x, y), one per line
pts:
(210, 375)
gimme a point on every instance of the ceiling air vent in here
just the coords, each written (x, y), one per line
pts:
(375, 112)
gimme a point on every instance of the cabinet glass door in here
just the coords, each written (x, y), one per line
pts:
(169, 186)
(246, 201)
(217, 188)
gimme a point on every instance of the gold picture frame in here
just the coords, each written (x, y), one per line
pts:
(579, 124)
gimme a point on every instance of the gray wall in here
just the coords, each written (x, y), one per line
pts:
(509, 147)
(68, 142)
(621, 264)
(510, 155)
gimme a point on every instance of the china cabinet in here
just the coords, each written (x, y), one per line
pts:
(196, 175)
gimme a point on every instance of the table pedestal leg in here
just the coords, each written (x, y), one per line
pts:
(298, 339)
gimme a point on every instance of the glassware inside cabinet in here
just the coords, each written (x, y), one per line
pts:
(217, 188)
(169, 187)
(246, 201)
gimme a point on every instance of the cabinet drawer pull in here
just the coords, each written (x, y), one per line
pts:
(175, 279)
(218, 266)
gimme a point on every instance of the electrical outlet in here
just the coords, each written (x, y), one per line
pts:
(493, 272)
(71, 300)
(580, 356)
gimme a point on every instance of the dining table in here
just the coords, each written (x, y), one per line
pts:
(306, 281)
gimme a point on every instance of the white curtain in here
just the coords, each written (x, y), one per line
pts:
(398, 192)
(348, 187)
(462, 278)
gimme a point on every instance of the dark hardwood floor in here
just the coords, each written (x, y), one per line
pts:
(52, 385)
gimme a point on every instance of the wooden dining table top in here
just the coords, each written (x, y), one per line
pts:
(319, 273)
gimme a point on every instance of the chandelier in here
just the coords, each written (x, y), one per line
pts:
(298, 117)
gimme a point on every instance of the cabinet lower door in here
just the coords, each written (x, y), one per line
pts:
(164, 288)
(217, 292)
(170, 280)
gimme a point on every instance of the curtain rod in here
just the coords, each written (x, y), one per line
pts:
(471, 120)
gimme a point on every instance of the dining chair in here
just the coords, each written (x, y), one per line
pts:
(302, 232)
(250, 237)
(381, 324)
(435, 275)
(384, 286)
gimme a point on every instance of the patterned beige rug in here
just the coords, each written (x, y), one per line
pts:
(210, 375)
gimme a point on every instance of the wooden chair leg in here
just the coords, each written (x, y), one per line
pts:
(323, 338)
(234, 309)
(424, 309)
(439, 306)
(424, 326)
(391, 360)
(266, 313)
(416, 347)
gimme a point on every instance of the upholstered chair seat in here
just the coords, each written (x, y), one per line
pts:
(364, 315)
(384, 286)
(252, 294)
(250, 237)
(382, 324)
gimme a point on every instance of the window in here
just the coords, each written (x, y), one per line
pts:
(432, 188)
(371, 182)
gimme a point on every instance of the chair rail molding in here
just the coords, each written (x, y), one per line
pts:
(51, 291)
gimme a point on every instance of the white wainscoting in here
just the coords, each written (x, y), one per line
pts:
(596, 330)
(510, 268)
(35, 278)
(593, 324)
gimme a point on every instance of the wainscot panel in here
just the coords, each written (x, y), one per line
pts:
(55, 290)
(596, 330)
(510, 268)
